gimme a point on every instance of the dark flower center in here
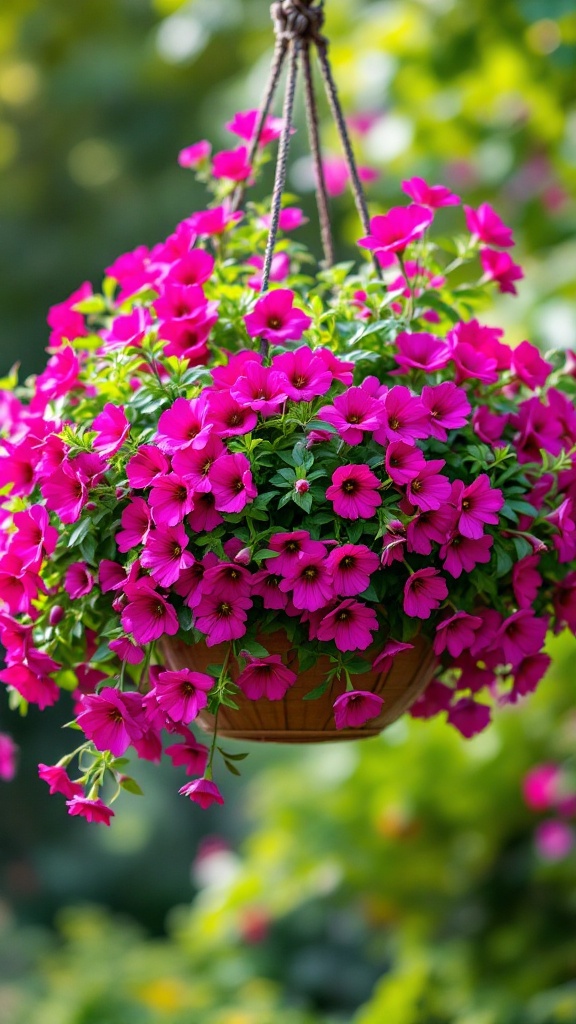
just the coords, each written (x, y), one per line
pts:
(300, 382)
(348, 562)
(238, 486)
(292, 547)
(181, 493)
(416, 485)
(235, 419)
(311, 573)
(274, 322)
(354, 418)
(344, 616)
(177, 551)
(158, 610)
(394, 423)
(465, 504)
(224, 609)
(350, 486)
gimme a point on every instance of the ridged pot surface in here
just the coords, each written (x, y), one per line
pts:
(292, 719)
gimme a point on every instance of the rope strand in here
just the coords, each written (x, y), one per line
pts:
(314, 137)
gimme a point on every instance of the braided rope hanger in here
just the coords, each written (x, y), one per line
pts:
(297, 27)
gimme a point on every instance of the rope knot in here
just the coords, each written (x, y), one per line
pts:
(299, 20)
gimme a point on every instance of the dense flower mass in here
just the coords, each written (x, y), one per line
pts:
(353, 460)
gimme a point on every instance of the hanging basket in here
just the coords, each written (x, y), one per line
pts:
(294, 719)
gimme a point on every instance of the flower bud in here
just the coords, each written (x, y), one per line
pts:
(243, 557)
(301, 486)
(56, 615)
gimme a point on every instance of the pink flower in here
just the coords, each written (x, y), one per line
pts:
(336, 174)
(541, 786)
(184, 425)
(456, 634)
(474, 365)
(478, 505)
(350, 625)
(421, 351)
(528, 365)
(230, 419)
(405, 418)
(165, 554)
(183, 694)
(112, 719)
(8, 757)
(436, 698)
(204, 516)
(528, 673)
(395, 230)
(291, 547)
(244, 124)
(353, 414)
(309, 584)
(59, 781)
(194, 155)
(112, 428)
(136, 522)
(65, 322)
(232, 164)
(146, 466)
(429, 490)
(276, 319)
(148, 616)
(195, 267)
(433, 196)
(170, 500)
(260, 388)
(92, 810)
(194, 465)
(291, 217)
(127, 651)
(215, 221)
(78, 581)
(469, 716)
(266, 585)
(34, 537)
(354, 493)
(520, 635)
(424, 592)
(279, 269)
(499, 267)
(461, 554)
(232, 483)
(448, 407)
(266, 677)
(203, 792)
(351, 566)
(384, 661)
(305, 374)
(189, 754)
(30, 677)
(486, 225)
(65, 492)
(554, 840)
(353, 709)
(526, 581)
(222, 619)
(403, 462)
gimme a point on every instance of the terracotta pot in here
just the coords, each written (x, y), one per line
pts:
(294, 720)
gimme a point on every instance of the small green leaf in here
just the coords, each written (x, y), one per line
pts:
(318, 690)
(130, 785)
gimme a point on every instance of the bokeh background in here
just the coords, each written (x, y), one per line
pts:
(403, 879)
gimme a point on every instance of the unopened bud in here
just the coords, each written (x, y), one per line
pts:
(56, 615)
(243, 557)
(301, 486)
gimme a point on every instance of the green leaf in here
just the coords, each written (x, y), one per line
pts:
(254, 648)
(184, 618)
(232, 757)
(318, 690)
(231, 767)
(130, 785)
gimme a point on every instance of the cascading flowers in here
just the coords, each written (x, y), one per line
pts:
(352, 458)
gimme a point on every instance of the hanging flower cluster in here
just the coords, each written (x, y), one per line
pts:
(355, 460)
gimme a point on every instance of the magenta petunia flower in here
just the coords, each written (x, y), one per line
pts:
(221, 619)
(229, 418)
(448, 408)
(165, 554)
(429, 490)
(59, 781)
(353, 414)
(195, 267)
(78, 581)
(433, 196)
(266, 585)
(309, 584)
(260, 388)
(232, 483)
(383, 662)
(33, 537)
(499, 267)
(203, 792)
(244, 124)
(185, 424)
(529, 366)
(456, 634)
(183, 694)
(127, 651)
(112, 719)
(194, 155)
(147, 615)
(354, 708)
(554, 839)
(170, 499)
(478, 504)
(521, 635)
(424, 592)
(350, 625)
(526, 580)
(266, 677)
(190, 755)
(215, 221)
(403, 462)
(486, 225)
(421, 351)
(92, 810)
(469, 716)
(194, 465)
(541, 786)
(474, 365)
(460, 554)
(146, 466)
(204, 516)
(65, 492)
(354, 493)
(351, 566)
(276, 319)
(305, 374)
(8, 757)
(291, 547)
(433, 526)
(437, 697)
(112, 429)
(232, 164)
(395, 230)
(30, 677)
(279, 269)
(291, 217)
(405, 418)
(528, 673)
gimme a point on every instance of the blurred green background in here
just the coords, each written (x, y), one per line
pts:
(395, 880)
